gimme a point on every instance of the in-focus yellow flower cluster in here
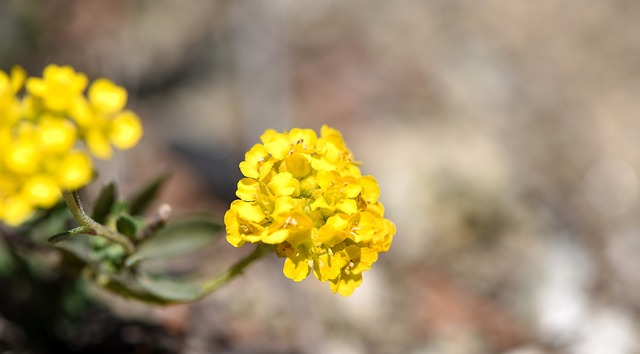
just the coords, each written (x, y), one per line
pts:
(305, 195)
(43, 133)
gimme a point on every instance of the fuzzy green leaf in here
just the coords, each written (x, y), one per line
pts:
(179, 238)
(127, 226)
(59, 237)
(145, 196)
(155, 290)
(104, 203)
(69, 234)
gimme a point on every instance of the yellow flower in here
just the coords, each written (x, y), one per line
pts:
(56, 134)
(43, 133)
(75, 171)
(107, 97)
(59, 88)
(305, 195)
(9, 104)
(102, 121)
(42, 191)
(125, 130)
(22, 157)
(15, 210)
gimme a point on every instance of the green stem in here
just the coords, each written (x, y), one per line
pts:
(72, 199)
(235, 270)
(80, 230)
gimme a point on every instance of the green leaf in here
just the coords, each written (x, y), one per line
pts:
(155, 290)
(104, 203)
(59, 237)
(172, 290)
(145, 196)
(115, 252)
(69, 234)
(179, 238)
(127, 226)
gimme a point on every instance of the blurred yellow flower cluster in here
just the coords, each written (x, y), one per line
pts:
(305, 195)
(46, 131)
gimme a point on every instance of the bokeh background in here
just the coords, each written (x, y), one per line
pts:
(505, 136)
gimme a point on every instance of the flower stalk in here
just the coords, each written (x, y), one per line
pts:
(72, 199)
(235, 270)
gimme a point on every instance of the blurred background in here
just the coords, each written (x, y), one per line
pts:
(505, 137)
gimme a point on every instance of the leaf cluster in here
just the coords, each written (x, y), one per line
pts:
(109, 265)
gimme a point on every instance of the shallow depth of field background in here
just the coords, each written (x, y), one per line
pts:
(505, 136)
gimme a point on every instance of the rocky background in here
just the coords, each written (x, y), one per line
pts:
(505, 136)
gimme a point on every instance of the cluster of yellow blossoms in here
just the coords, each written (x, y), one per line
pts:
(46, 131)
(305, 195)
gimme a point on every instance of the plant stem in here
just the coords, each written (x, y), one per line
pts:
(235, 270)
(72, 199)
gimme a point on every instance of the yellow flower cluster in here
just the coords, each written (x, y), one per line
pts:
(305, 195)
(43, 132)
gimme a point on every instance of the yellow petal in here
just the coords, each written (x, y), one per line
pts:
(326, 179)
(268, 135)
(36, 86)
(18, 76)
(266, 169)
(298, 165)
(319, 203)
(345, 284)
(248, 189)
(348, 206)
(250, 212)
(56, 134)
(296, 269)
(42, 191)
(75, 171)
(107, 97)
(82, 113)
(22, 157)
(98, 144)
(249, 169)
(322, 164)
(368, 256)
(333, 231)
(256, 154)
(304, 137)
(126, 130)
(235, 240)
(327, 267)
(16, 211)
(370, 189)
(363, 225)
(233, 226)
(283, 184)
(352, 190)
(284, 204)
(300, 227)
(278, 146)
(274, 237)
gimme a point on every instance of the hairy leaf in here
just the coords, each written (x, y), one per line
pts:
(104, 203)
(150, 289)
(179, 238)
(145, 196)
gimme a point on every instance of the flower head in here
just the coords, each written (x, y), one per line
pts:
(44, 132)
(305, 195)
(59, 88)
